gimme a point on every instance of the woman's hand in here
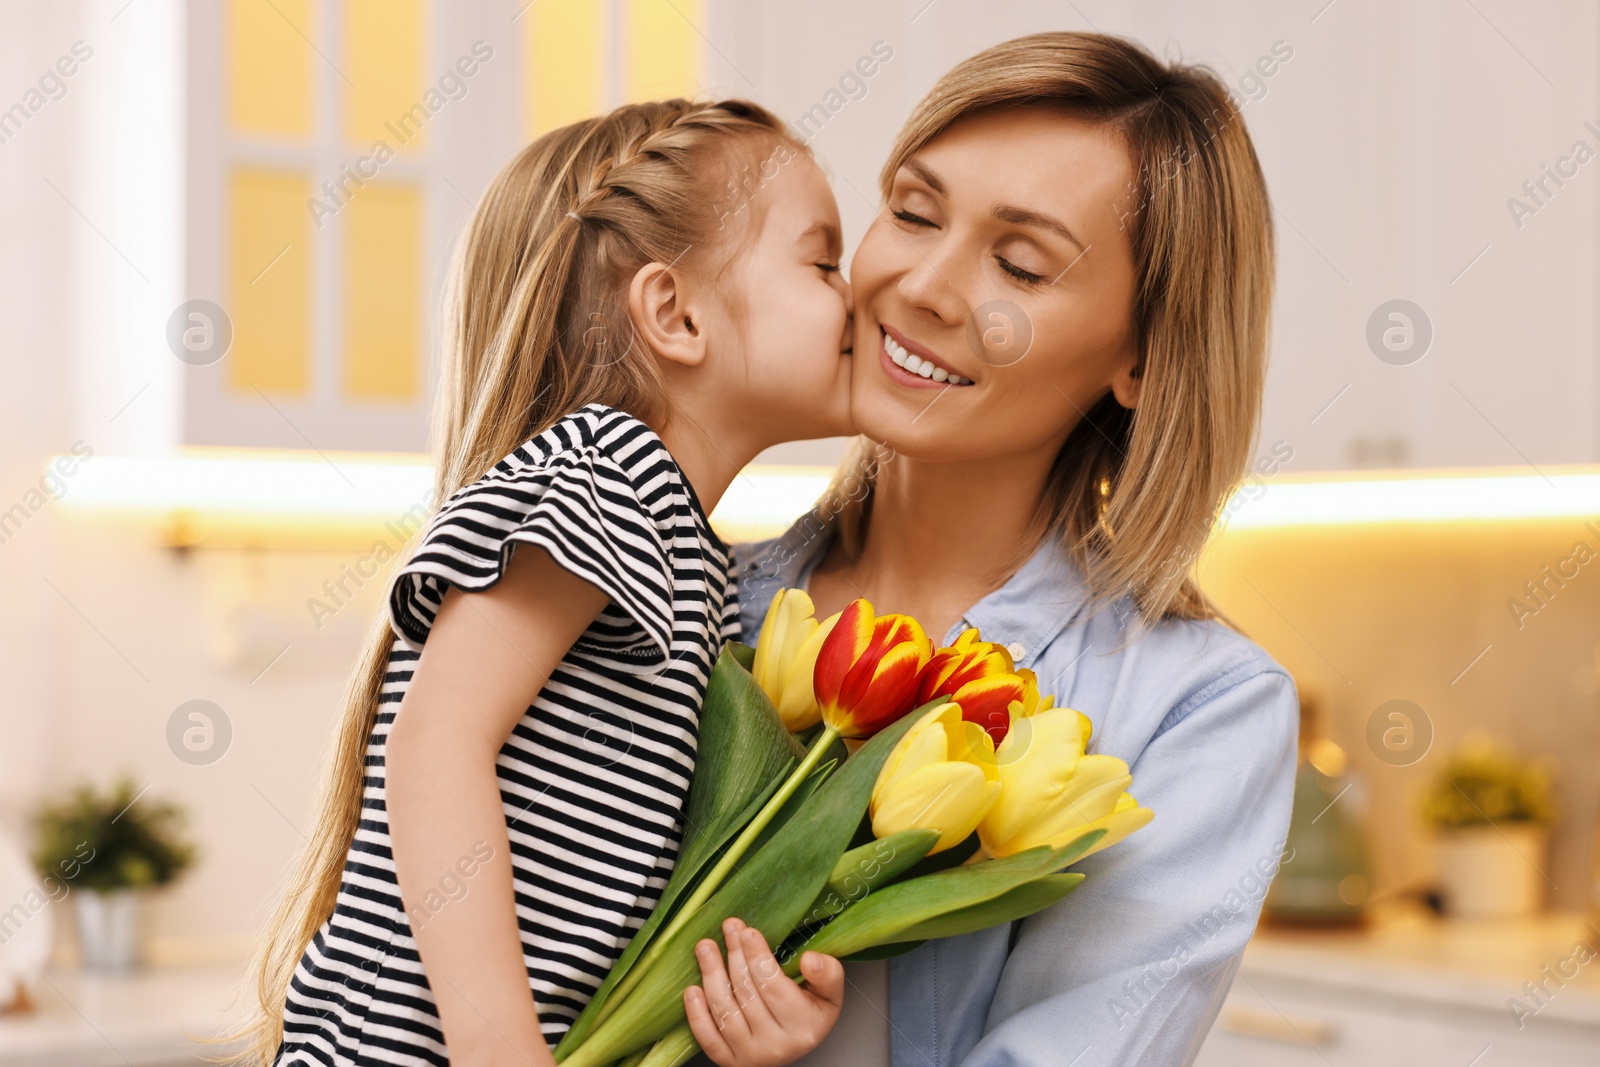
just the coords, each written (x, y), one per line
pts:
(751, 1014)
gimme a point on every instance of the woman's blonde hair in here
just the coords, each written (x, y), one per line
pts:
(1134, 494)
(535, 327)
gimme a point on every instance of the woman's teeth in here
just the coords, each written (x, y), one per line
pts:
(919, 366)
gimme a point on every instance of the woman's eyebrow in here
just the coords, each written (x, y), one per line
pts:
(1023, 217)
(929, 178)
(1015, 215)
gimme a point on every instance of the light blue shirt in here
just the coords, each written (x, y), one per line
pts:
(1133, 966)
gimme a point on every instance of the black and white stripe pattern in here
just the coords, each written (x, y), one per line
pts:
(594, 778)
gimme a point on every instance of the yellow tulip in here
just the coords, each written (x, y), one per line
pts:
(940, 776)
(786, 657)
(1124, 819)
(1051, 793)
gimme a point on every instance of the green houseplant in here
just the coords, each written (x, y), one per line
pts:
(1490, 813)
(111, 849)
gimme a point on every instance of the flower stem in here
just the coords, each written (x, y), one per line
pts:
(718, 874)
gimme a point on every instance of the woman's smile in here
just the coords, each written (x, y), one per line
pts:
(910, 364)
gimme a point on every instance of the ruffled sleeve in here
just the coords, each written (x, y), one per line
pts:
(580, 507)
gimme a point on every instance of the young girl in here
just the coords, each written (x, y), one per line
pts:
(642, 303)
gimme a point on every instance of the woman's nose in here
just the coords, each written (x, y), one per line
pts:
(929, 282)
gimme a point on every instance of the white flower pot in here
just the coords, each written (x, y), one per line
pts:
(111, 928)
(1492, 871)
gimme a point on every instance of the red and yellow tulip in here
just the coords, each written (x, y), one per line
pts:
(867, 670)
(979, 676)
(1032, 701)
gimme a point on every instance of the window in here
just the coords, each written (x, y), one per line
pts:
(335, 150)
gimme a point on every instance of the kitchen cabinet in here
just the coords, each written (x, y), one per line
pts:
(1414, 992)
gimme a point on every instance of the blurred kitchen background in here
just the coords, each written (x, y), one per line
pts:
(222, 233)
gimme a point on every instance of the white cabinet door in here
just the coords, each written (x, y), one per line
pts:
(1394, 164)
(1275, 1023)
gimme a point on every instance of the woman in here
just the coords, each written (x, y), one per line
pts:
(1061, 328)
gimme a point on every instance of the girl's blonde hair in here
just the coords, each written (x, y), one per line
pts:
(535, 327)
(1134, 494)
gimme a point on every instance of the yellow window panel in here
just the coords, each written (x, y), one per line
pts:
(269, 67)
(663, 50)
(565, 45)
(384, 41)
(269, 283)
(383, 293)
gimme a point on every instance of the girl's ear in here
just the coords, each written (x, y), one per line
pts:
(659, 305)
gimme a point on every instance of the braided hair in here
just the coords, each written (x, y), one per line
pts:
(537, 323)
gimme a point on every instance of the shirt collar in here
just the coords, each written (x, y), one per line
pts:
(1034, 605)
(1027, 613)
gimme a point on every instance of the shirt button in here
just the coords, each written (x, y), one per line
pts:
(1016, 650)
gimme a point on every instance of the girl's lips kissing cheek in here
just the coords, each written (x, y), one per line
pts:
(910, 368)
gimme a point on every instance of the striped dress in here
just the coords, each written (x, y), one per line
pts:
(593, 779)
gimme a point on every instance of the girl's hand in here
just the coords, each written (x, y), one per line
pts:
(751, 1014)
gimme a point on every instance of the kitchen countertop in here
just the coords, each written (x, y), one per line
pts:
(1410, 955)
(1406, 959)
(137, 1020)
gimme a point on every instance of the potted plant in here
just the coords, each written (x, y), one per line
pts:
(1490, 812)
(110, 850)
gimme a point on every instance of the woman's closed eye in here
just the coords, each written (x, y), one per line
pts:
(911, 218)
(1021, 274)
(828, 268)
(1027, 277)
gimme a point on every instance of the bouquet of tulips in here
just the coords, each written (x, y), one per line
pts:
(959, 799)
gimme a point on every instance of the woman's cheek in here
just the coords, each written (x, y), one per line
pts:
(835, 305)
(867, 266)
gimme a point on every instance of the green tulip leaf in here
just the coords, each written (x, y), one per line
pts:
(772, 893)
(884, 952)
(954, 856)
(673, 1050)
(1019, 903)
(1073, 851)
(791, 806)
(636, 1059)
(892, 912)
(744, 755)
(867, 868)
